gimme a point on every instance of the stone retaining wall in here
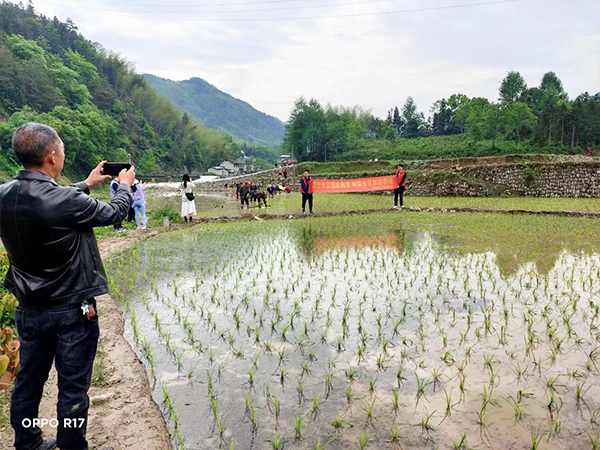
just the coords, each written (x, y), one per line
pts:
(564, 179)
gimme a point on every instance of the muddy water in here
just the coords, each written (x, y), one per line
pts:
(339, 318)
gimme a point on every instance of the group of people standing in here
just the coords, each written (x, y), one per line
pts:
(249, 193)
(137, 211)
(307, 195)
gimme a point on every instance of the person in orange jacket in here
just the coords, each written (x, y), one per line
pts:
(399, 191)
(305, 189)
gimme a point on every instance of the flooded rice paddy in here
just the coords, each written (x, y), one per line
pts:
(395, 330)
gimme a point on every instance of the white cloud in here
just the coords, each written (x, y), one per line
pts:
(372, 60)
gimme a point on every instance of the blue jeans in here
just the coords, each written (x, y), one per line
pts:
(64, 335)
(140, 206)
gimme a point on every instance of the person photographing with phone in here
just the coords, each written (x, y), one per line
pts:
(55, 272)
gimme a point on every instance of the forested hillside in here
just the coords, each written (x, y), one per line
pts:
(100, 107)
(218, 110)
(539, 119)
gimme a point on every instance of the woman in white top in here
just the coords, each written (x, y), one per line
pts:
(188, 204)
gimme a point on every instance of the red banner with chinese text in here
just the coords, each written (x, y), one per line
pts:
(385, 183)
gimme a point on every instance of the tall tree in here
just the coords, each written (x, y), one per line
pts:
(412, 120)
(550, 112)
(586, 121)
(518, 120)
(305, 132)
(512, 87)
(397, 121)
(474, 114)
(552, 90)
(443, 121)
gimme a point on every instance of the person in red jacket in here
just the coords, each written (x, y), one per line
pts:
(399, 191)
(305, 189)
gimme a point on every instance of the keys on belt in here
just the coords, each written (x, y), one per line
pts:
(88, 310)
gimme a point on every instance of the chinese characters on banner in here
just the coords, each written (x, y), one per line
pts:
(385, 183)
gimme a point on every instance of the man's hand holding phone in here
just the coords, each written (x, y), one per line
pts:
(97, 176)
(127, 176)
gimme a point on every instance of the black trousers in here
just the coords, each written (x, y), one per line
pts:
(65, 336)
(399, 192)
(306, 197)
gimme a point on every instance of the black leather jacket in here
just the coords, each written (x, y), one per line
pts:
(47, 231)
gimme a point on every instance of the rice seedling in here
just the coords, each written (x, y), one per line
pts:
(282, 375)
(396, 402)
(395, 435)
(595, 416)
(339, 422)
(363, 439)
(328, 383)
(426, 425)
(448, 411)
(421, 386)
(594, 440)
(276, 442)
(369, 410)
(518, 410)
(319, 446)
(316, 401)
(536, 439)
(349, 394)
(298, 426)
(352, 373)
(372, 385)
(276, 408)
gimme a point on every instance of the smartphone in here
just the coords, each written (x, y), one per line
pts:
(113, 169)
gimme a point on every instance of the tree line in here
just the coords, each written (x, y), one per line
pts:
(99, 105)
(523, 119)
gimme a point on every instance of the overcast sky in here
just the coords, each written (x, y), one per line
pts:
(372, 53)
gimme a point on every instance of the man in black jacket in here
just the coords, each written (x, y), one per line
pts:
(55, 272)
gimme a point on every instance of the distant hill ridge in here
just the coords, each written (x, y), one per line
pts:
(219, 110)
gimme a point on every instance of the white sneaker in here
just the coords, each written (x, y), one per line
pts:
(395, 207)
(120, 230)
(143, 227)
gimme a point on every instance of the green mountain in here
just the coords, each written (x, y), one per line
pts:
(220, 111)
(100, 107)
